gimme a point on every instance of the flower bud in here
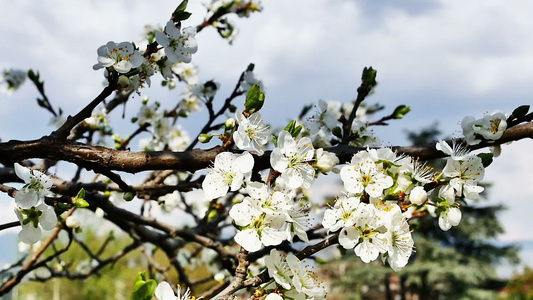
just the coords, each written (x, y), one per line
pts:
(72, 222)
(123, 81)
(205, 138)
(230, 123)
(418, 195)
(325, 161)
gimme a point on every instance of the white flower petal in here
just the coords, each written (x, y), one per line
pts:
(164, 291)
(249, 240)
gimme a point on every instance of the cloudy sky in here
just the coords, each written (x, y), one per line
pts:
(445, 59)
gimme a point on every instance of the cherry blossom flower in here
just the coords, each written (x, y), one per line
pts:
(401, 246)
(278, 269)
(228, 173)
(343, 214)
(367, 236)
(122, 57)
(444, 205)
(251, 134)
(365, 174)
(164, 292)
(179, 46)
(418, 195)
(37, 186)
(490, 127)
(187, 72)
(291, 159)
(465, 174)
(322, 119)
(303, 280)
(258, 228)
(366, 137)
(33, 219)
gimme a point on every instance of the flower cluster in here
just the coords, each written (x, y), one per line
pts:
(163, 134)
(291, 279)
(31, 210)
(267, 217)
(369, 216)
(461, 174)
(136, 66)
(490, 127)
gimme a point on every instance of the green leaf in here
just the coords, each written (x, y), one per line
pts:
(41, 102)
(143, 289)
(401, 111)
(486, 158)
(180, 14)
(182, 7)
(296, 131)
(255, 99)
(520, 111)
(33, 76)
(79, 200)
(275, 140)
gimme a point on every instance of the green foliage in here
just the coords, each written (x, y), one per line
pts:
(254, 99)
(114, 281)
(180, 14)
(519, 286)
(144, 288)
(400, 111)
(79, 200)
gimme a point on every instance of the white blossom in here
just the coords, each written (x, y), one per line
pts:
(456, 151)
(228, 173)
(122, 57)
(278, 269)
(418, 195)
(465, 175)
(343, 214)
(37, 186)
(164, 292)
(291, 158)
(251, 134)
(33, 219)
(365, 174)
(366, 236)
(490, 127)
(323, 118)
(258, 228)
(303, 280)
(401, 243)
(179, 46)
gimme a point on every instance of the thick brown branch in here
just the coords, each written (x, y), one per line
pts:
(98, 158)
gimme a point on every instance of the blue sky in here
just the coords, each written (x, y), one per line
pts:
(445, 59)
